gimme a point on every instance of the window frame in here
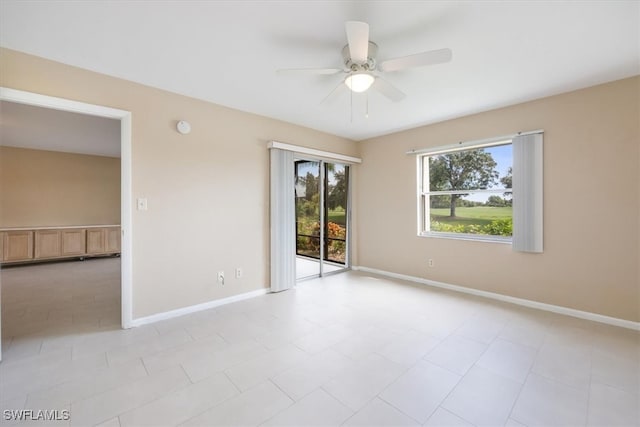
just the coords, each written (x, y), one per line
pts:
(423, 180)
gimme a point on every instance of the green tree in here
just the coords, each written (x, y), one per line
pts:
(310, 186)
(507, 181)
(338, 191)
(463, 170)
(496, 201)
(508, 178)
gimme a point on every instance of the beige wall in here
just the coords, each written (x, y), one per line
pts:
(591, 204)
(43, 188)
(208, 192)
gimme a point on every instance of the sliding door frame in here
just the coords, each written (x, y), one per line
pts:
(322, 161)
(306, 153)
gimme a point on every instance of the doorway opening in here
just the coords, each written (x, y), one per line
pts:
(124, 142)
(322, 206)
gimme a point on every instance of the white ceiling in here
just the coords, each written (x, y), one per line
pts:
(26, 126)
(227, 52)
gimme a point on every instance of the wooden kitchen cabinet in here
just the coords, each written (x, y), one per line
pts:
(47, 243)
(74, 242)
(112, 239)
(96, 241)
(50, 243)
(18, 245)
(103, 240)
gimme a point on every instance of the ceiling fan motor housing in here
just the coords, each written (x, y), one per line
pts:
(370, 65)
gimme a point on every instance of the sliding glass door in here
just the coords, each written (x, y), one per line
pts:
(322, 213)
(308, 212)
(336, 184)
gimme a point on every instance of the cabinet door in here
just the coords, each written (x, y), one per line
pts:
(18, 245)
(113, 240)
(96, 240)
(2, 245)
(73, 241)
(47, 243)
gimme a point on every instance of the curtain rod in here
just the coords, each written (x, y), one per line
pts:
(464, 144)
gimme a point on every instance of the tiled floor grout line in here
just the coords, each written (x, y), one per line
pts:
(144, 365)
(529, 372)
(190, 334)
(462, 376)
(515, 402)
(378, 396)
(156, 399)
(286, 394)
(206, 410)
(449, 394)
(351, 315)
(586, 420)
(231, 381)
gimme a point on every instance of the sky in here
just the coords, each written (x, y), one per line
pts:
(502, 154)
(313, 167)
(503, 157)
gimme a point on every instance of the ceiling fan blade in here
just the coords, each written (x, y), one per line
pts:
(332, 95)
(431, 57)
(319, 71)
(388, 90)
(358, 38)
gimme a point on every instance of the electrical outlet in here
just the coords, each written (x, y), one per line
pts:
(430, 262)
(221, 277)
(238, 273)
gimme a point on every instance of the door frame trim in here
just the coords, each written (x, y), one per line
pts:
(126, 214)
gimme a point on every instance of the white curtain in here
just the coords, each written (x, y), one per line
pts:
(527, 193)
(283, 222)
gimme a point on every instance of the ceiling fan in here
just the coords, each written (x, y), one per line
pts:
(362, 68)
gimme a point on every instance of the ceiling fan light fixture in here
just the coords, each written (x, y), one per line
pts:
(359, 81)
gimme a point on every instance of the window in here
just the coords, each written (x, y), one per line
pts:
(467, 193)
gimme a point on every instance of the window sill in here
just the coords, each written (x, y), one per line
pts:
(468, 237)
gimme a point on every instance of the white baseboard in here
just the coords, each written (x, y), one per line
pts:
(513, 300)
(198, 307)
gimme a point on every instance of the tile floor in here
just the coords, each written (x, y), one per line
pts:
(349, 349)
(308, 267)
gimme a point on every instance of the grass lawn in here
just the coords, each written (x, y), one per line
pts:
(479, 215)
(338, 217)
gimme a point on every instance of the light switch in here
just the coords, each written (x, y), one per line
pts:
(142, 204)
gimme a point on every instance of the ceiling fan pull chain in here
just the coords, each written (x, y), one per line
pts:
(351, 104)
(366, 114)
